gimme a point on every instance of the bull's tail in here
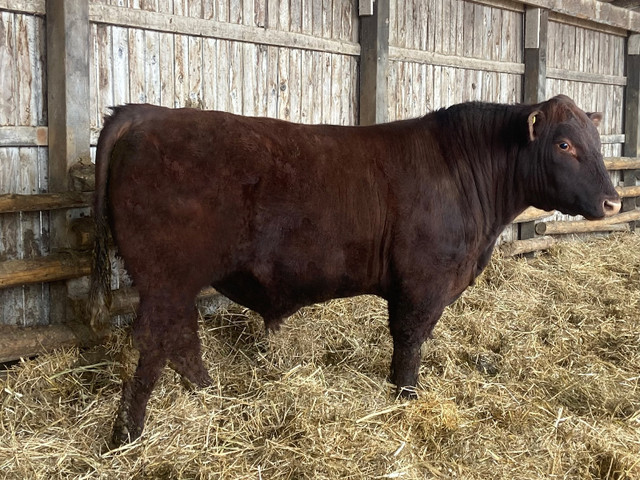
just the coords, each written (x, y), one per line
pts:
(115, 126)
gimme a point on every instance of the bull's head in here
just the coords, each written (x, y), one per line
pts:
(567, 172)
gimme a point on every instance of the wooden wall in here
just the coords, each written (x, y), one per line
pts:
(23, 156)
(291, 59)
(586, 62)
(257, 77)
(450, 51)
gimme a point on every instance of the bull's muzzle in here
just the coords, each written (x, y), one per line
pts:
(611, 207)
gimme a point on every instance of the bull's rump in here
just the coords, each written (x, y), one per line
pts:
(257, 207)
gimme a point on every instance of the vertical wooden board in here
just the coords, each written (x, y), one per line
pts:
(25, 60)
(273, 87)
(393, 36)
(136, 66)
(487, 32)
(235, 77)
(195, 72)
(459, 27)
(316, 93)
(336, 19)
(104, 67)
(32, 241)
(181, 70)
(12, 306)
(120, 55)
(8, 79)
(327, 28)
(437, 87)
(552, 46)
(349, 95)
(326, 88)
(408, 23)
(39, 79)
(284, 19)
(152, 67)
(447, 31)
(209, 67)
(306, 86)
(209, 10)
(316, 20)
(295, 16)
(194, 8)
(94, 88)
(235, 11)
(421, 31)
(249, 70)
(479, 83)
(222, 9)
(392, 90)
(580, 48)
(295, 67)
(283, 84)
(439, 31)
(306, 13)
(607, 62)
(166, 68)
(497, 33)
(261, 93)
(149, 5)
(260, 13)
(166, 6)
(248, 13)
(400, 92)
(222, 76)
(468, 32)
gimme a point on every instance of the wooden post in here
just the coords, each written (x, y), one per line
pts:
(632, 116)
(374, 64)
(536, 22)
(68, 38)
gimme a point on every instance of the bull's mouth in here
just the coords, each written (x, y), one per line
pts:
(607, 208)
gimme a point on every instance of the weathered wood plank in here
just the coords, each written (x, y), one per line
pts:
(23, 136)
(519, 247)
(163, 22)
(35, 7)
(586, 226)
(13, 202)
(420, 56)
(54, 267)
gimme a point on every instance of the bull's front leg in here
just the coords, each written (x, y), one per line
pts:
(410, 325)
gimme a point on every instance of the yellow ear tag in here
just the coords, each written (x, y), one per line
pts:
(533, 120)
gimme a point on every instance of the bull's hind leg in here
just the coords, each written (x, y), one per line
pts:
(137, 389)
(165, 329)
(184, 353)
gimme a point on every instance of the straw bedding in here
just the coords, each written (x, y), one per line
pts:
(534, 373)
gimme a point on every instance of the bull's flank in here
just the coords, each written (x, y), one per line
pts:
(533, 373)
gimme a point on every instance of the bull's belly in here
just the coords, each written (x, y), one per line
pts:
(283, 293)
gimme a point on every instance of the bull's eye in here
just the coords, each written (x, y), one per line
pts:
(564, 145)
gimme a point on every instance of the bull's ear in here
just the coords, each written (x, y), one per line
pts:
(596, 117)
(534, 121)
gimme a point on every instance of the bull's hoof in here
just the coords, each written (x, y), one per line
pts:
(124, 431)
(407, 392)
(194, 382)
(123, 434)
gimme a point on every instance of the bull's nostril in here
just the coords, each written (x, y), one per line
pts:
(611, 207)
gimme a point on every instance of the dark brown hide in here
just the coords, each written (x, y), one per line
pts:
(277, 215)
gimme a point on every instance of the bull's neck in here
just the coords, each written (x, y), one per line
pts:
(484, 141)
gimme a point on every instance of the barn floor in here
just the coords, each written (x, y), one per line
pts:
(534, 373)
